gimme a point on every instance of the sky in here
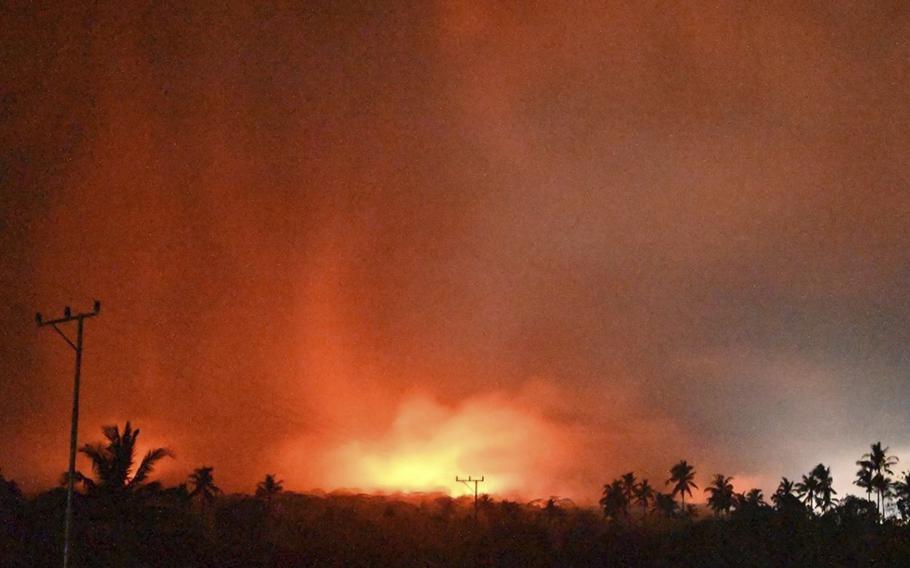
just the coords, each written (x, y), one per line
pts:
(377, 247)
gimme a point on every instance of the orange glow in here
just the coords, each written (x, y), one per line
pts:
(426, 470)
(381, 248)
(429, 443)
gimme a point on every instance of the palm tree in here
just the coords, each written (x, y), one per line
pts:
(665, 504)
(755, 498)
(783, 497)
(486, 504)
(749, 505)
(204, 485)
(628, 486)
(807, 490)
(880, 463)
(824, 489)
(882, 485)
(614, 502)
(644, 494)
(864, 477)
(784, 489)
(902, 494)
(269, 487)
(113, 461)
(10, 494)
(721, 494)
(682, 476)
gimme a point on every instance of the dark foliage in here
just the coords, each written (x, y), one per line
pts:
(163, 527)
(123, 520)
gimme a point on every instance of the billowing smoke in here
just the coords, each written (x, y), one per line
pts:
(428, 444)
(381, 247)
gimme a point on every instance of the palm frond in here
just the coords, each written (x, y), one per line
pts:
(148, 464)
(112, 433)
(96, 452)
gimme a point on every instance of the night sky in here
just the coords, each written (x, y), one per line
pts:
(377, 247)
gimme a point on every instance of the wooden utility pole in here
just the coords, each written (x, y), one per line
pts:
(74, 425)
(475, 482)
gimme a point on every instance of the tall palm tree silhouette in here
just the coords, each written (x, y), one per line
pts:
(755, 497)
(113, 461)
(784, 488)
(807, 490)
(628, 486)
(721, 494)
(204, 485)
(881, 483)
(880, 463)
(783, 496)
(824, 489)
(614, 502)
(902, 495)
(749, 505)
(682, 477)
(864, 477)
(268, 488)
(644, 494)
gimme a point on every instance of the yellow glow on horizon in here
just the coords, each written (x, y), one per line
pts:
(415, 471)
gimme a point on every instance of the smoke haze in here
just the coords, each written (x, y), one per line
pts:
(546, 245)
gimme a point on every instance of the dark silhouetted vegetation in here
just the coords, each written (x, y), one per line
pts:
(681, 476)
(204, 488)
(123, 519)
(268, 488)
(112, 462)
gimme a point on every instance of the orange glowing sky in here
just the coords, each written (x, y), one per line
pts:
(380, 247)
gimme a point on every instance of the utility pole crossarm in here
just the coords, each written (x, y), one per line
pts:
(68, 316)
(42, 323)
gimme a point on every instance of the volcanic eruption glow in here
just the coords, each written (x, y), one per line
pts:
(429, 443)
(380, 246)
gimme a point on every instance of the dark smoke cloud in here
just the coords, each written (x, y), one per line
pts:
(664, 232)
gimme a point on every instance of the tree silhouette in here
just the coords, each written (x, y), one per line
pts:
(864, 477)
(268, 488)
(644, 494)
(880, 464)
(784, 489)
(78, 478)
(614, 502)
(856, 514)
(486, 504)
(755, 498)
(9, 490)
(783, 498)
(902, 495)
(750, 505)
(551, 509)
(721, 494)
(682, 477)
(824, 487)
(807, 490)
(113, 461)
(881, 483)
(665, 504)
(204, 485)
(628, 486)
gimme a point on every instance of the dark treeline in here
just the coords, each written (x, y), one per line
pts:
(122, 518)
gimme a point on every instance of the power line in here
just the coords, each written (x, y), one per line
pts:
(74, 426)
